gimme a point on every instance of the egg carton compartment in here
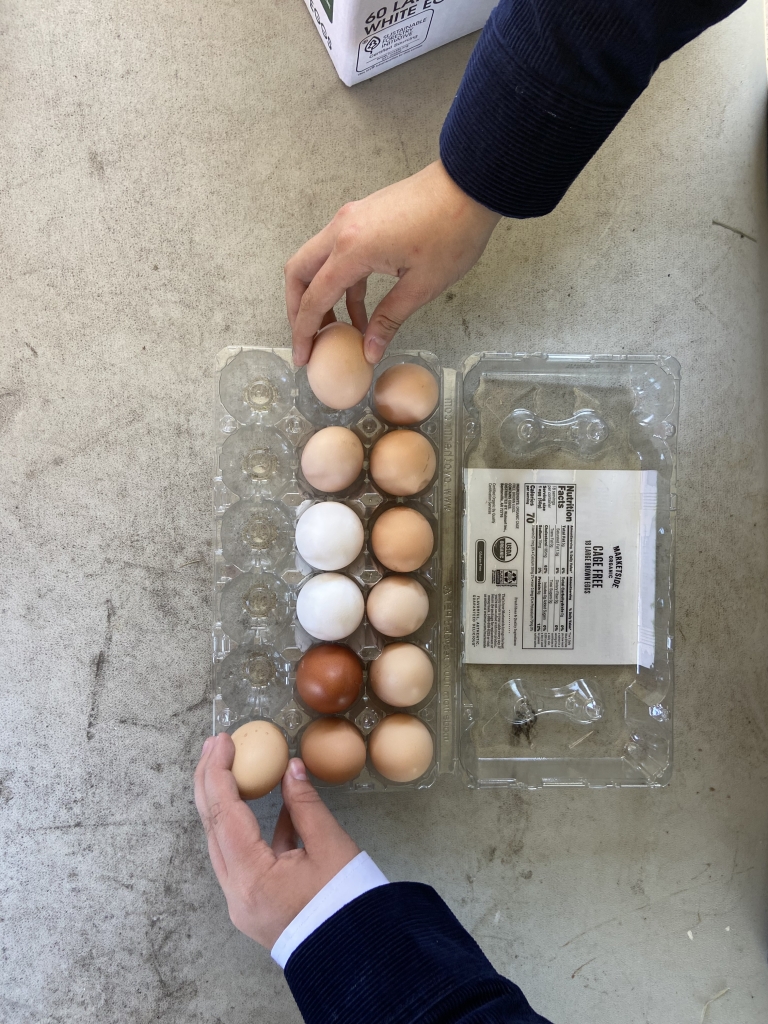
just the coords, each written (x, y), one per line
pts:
(524, 726)
(255, 385)
(255, 533)
(253, 681)
(320, 415)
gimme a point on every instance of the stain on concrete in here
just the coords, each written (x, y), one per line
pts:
(10, 403)
(96, 164)
(99, 665)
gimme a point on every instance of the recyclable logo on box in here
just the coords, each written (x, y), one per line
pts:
(383, 45)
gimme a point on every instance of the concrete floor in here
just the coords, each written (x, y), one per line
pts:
(160, 161)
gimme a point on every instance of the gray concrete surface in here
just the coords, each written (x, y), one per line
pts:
(159, 163)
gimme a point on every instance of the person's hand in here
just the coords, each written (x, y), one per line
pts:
(266, 886)
(423, 230)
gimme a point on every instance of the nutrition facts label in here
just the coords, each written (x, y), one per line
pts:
(559, 567)
(550, 557)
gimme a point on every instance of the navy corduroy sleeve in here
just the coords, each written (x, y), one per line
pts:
(548, 82)
(397, 955)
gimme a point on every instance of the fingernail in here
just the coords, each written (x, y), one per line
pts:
(374, 349)
(207, 743)
(297, 770)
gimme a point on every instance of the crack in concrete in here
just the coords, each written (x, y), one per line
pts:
(99, 665)
(736, 231)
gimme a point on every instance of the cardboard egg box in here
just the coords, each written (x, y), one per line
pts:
(580, 720)
(365, 38)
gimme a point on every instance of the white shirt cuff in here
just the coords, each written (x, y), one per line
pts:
(355, 878)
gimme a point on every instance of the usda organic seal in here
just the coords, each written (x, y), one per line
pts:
(504, 549)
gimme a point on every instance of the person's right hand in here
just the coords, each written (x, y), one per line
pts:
(266, 886)
(423, 230)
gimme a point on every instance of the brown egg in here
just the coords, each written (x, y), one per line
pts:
(261, 757)
(337, 371)
(405, 394)
(333, 749)
(332, 459)
(403, 462)
(329, 678)
(397, 605)
(401, 748)
(402, 675)
(402, 539)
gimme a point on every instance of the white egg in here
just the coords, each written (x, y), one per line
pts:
(329, 535)
(330, 606)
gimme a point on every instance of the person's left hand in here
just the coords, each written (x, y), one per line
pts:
(266, 886)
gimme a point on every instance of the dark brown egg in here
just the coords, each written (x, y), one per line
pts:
(329, 678)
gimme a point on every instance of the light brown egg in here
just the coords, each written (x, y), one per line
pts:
(405, 394)
(403, 462)
(337, 371)
(402, 539)
(397, 605)
(261, 757)
(333, 749)
(402, 675)
(332, 459)
(401, 748)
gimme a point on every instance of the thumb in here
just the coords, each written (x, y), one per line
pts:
(390, 315)
(313, 822)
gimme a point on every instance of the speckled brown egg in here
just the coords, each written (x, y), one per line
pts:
(406, 393)
(403, 462)
(402, 675)
(402, 539)
(329, 678)
(397, 606)
(337, 371)
(261, 757)
(401, 748)
(332, 459)
(333, 749)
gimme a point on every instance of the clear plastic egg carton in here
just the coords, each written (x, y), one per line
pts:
(578, 724)
(522, 725)
(265, 413)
